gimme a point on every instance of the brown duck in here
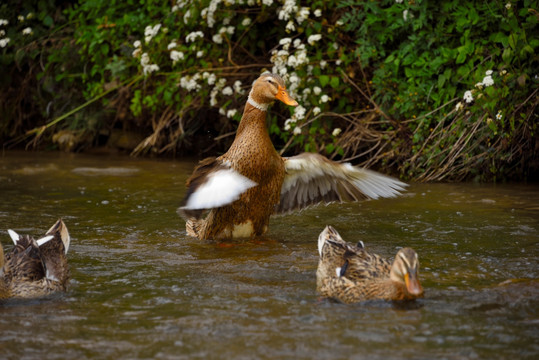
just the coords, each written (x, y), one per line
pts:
(350, 274)
(242, 188)
(35, 268)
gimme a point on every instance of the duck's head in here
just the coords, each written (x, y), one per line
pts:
(405, 270)
(268, 88)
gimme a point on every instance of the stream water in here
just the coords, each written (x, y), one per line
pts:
(142, 289)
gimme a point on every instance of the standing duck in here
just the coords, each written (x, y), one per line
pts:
(350, 274)
(35, 267)
(251, 181)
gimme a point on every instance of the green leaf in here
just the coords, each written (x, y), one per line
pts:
(507, 54)
(334, 83)
(48, 21)
(441, 81)
(461, 57)
(513, 41)
(324, 80)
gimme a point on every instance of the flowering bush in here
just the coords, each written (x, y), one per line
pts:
(435, 90)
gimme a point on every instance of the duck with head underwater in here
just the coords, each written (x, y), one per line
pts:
(242, 188)
(351, 274)
(35, 268)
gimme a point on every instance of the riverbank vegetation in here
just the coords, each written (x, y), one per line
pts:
(427, 90)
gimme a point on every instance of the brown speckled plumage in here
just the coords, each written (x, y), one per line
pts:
(29, 270)
(350, 274)
(241, 189)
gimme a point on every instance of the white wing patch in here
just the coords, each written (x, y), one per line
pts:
(44, 240)
(221, 188)
(14, 236)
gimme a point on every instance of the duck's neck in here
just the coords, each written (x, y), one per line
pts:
(254, 117)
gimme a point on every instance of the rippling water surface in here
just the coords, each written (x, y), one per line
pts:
(142, 289)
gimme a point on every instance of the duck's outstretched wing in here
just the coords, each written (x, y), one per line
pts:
(214, 183)
(311, 179)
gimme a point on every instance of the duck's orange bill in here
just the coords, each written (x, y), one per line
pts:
(282, 95)
(412, 284)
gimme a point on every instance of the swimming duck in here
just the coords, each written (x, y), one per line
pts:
(350, 274)
(242, 188)
(35, 268)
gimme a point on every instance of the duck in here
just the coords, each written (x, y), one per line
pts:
(350, 274)
(235, 194)
(35, 268)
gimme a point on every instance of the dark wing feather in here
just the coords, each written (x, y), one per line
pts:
(311, 179)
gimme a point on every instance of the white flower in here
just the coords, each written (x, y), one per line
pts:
(190, 83)
(222, 111)
(317, 90)
(4, 42)
(145, 59)
(267, 2)
(150, 68)
(317, 13)
(172, 45)
(297, 130)
(29, 16)
(176, 56)
(487, 81)
(137, 44)
(231, 113)
(398, 1)
(193, 36)
(488, 72)
(217, 38)
(290, 26)
(137, 52)
(323, 64)
(316, 111)
(508, 6)
(302, 15)
(285, 41)
(324, 98)
(237, 87)
(27, 31)
(20, 18)
(468, 97)
(227, 91)
(150, 32)
(3, 22)
(246, 21)
(2, 32)
(499, 115)
(479, 85)
(299, 112)
(339, 23)
(336, 132)
(459, 106)
(187, 16)
(405, 15)
(200, 53)
(314, 38)
(287, 9)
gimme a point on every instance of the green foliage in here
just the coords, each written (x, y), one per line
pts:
(390, 74)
